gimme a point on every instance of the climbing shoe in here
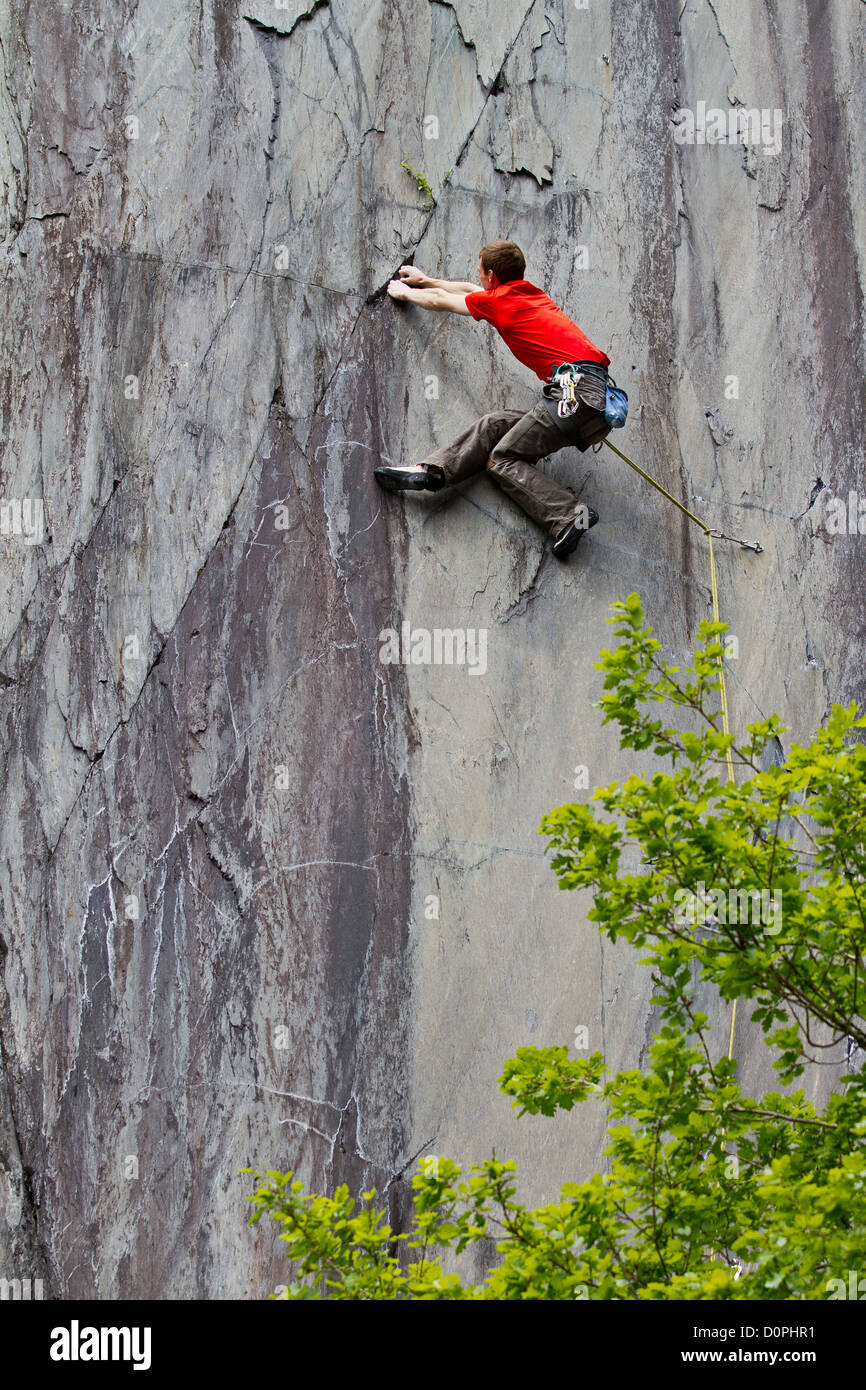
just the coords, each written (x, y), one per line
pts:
(568, 542)
(408, 478)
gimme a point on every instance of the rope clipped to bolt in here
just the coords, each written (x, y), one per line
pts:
(721, 536)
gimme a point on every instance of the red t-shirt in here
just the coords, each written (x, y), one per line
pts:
(535, 329)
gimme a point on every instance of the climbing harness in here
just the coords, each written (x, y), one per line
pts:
(719, 535)
(567, 375)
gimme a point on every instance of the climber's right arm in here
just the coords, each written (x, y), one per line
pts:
(411, 275)
(428, 298)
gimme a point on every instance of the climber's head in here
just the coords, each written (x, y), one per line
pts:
(499, 262)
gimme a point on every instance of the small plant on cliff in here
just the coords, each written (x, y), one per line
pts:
(423, 185)
(711, 1193)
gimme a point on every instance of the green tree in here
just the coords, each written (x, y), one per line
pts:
(753, 887)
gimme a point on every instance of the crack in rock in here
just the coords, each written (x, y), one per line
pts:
(286, 30)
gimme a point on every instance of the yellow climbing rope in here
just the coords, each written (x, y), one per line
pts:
(715, 591)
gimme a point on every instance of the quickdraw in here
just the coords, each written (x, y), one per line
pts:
(566, 378)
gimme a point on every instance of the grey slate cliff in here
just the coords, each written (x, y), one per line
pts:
(266, 899)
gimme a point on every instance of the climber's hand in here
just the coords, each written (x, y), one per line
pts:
(398, 290)
(411, 275)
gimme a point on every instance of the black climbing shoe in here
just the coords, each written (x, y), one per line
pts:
(571, 536)
(408, 478)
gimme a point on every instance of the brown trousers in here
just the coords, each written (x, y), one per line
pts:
(507, 444)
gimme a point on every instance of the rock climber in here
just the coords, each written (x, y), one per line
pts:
(508, 443)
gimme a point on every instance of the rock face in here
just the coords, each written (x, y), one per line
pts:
(267, 898)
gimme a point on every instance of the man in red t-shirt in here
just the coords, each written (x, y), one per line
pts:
(508, 443)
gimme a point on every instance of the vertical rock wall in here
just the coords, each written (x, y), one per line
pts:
(227, 824)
